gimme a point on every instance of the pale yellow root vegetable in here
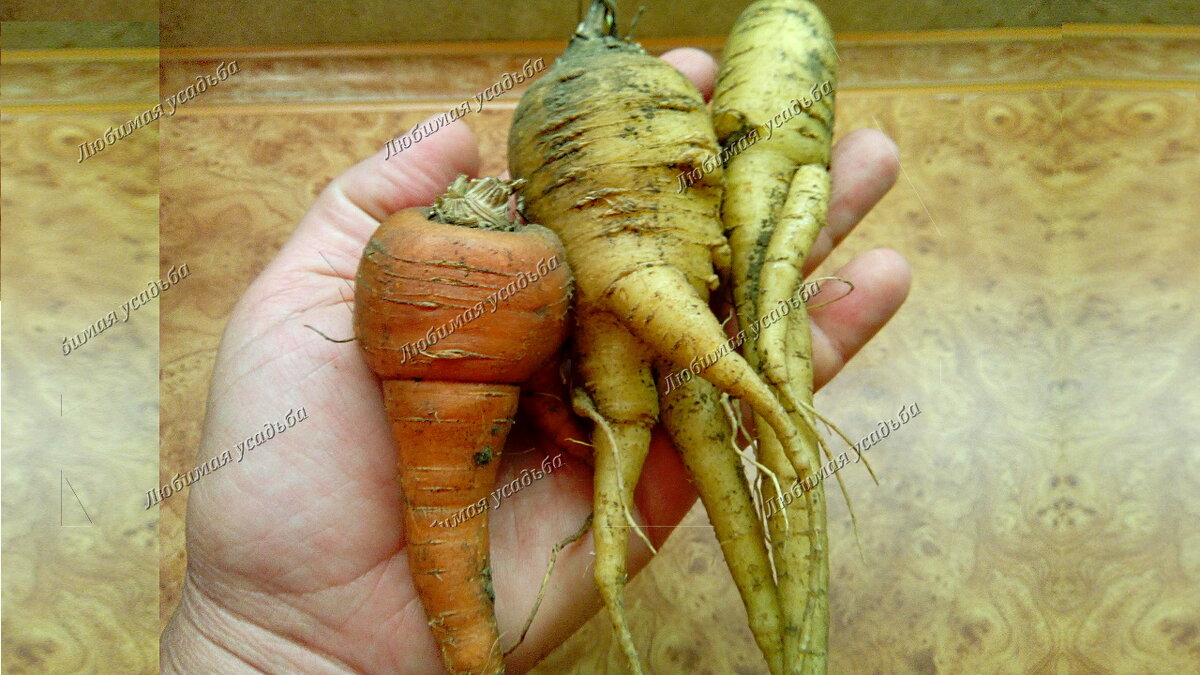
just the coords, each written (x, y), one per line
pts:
(601, 138)
(773, 112)
(785, 349)
(779, 54)
(619, 395)
(799, 545)
(700, 429)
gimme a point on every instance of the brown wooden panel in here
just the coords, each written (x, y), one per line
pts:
(80, 433)
(224, 23)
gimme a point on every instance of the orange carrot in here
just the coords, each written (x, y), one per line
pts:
(454, 307)
(546, 403)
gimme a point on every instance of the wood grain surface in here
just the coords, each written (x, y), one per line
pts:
(80, 433)
(1041, 515)
(407, 75)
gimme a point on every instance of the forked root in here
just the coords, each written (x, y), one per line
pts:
(693, 416)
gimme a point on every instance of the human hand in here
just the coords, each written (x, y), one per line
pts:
(297, 557)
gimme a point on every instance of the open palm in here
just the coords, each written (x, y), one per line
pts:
(297, 554)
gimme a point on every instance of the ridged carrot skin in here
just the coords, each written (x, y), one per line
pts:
(453, 317)
(444, 294)
(449, 436)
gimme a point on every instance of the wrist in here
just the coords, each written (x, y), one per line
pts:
(204, 637)
(185, 647)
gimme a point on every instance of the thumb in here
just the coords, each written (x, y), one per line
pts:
(331, 236)
(430, 156)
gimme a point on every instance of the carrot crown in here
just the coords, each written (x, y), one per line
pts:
(477, 202)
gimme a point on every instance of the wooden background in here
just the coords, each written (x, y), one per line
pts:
(80, 431)
(224, 23)
(1041, 516)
